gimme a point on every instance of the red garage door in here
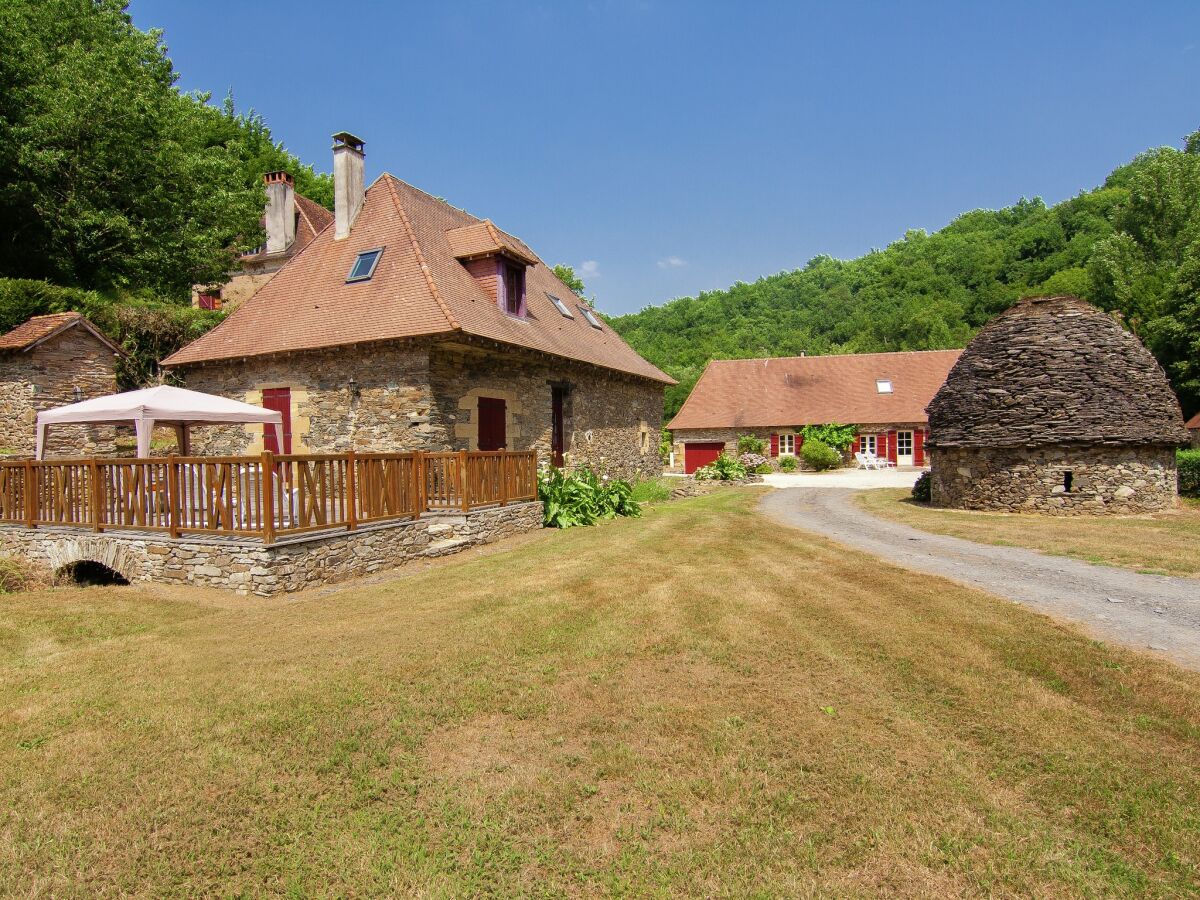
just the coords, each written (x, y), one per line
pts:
(697, 455)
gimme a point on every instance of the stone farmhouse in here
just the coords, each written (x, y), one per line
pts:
(1055, 408)
(409, 324)
(883, 394)
(50, 361)
(291, 221)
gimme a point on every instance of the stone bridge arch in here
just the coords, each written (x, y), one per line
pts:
(65, 552)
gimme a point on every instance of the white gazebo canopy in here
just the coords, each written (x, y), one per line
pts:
(163, 405)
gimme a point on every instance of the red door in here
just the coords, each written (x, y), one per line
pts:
(491, 424)
(697, 455)
(558, 434)
(279, 400)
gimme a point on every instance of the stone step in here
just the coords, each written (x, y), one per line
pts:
(451, 545)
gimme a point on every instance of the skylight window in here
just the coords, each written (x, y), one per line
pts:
(590, 316)
(560, 306)
(883, 386)
(364, 265)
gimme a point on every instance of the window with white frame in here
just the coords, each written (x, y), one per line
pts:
(787, 445)
(867, 443)
(883, 386)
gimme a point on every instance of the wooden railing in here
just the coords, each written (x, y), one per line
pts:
(263, 496)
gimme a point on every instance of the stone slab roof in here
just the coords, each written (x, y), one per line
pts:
(815, 390)
(1055, 370)
(419, 288)
(40, 329)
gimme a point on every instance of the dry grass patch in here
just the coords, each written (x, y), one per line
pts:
(694, 703)
(1163, 543)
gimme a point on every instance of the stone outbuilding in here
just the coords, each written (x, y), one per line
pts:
(50, 361)
(1055, 408)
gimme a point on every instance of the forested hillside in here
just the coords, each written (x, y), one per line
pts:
(1131, 245)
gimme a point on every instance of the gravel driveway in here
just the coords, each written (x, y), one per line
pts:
(1143, 611)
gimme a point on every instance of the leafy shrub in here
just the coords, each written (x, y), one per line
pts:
(650, 490)
(763, 469)
(582, 497)
(664, 446)
(752, 461)
(723, 468)
(921, 490)
(820, 456)
(748, 443)
(1188, 462)
(839, 437)
(788, 463)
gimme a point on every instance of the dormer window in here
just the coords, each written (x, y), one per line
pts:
(883, 386)
(560, 306)
(590, 316)
(364, 265)
(514, 288)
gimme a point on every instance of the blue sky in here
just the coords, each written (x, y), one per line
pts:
(667, 148)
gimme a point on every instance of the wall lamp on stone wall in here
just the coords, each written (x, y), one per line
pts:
(354, 387)
(77, 393)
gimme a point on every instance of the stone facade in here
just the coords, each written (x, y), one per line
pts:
(250, 567)
(420, 396)
(45, 376)
(1063, 480)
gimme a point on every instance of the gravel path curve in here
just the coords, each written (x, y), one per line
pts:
(1143, 611)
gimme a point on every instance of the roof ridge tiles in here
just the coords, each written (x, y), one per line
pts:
(416, 246)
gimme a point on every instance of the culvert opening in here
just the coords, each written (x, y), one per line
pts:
(89, 573)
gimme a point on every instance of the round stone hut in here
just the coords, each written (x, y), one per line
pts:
(1055, 408)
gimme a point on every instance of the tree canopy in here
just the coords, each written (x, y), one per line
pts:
(1131, 246)
(110, 177)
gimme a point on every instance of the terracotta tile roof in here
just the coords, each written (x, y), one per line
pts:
(815, 390)
(37, 329)
(1193, 423)
(419, 288)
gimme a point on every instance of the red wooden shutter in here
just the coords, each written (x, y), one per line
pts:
(774, 445)
(856, 446)
(891, 445)
(919, 447)
(280, 400)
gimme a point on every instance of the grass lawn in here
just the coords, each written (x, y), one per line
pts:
(1163, 543)
(699, 702)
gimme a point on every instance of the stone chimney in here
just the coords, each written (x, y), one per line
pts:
(281, 211)
(348, 190)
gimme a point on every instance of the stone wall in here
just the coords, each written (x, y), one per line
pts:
(45, 377)
(1113, 480)
(388, 410)
(419, 397)
(250, 567)
(611, 423)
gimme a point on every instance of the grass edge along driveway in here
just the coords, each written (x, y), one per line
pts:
(1161, 544)
(699, 702)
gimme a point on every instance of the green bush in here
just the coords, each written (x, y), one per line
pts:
(839, 437)
(921, 490)
(582, 497)
(723, 468)
(820, 456)
(664, 446)
(763, 469)
(788, 463)
(748, 443)
(1188, 462)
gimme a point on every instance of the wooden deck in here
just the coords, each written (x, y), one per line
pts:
(267, 497)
